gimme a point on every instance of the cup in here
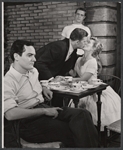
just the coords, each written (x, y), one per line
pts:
(95, 81)
(69, 78)
(76, 85)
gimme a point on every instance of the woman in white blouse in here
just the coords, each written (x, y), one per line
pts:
(86, 69)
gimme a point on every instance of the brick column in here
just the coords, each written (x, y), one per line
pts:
(102, 20)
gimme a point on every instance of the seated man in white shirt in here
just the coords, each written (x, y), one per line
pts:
(39, 123)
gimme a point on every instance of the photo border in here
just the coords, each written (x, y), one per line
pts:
(2, 63)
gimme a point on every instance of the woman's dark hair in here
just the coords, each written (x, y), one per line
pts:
(18, 47)
(78, 34)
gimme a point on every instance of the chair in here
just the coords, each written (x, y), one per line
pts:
(26, 144)
(12, 138)
(112, 80)
(112, 132)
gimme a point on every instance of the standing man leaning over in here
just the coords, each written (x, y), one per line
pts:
(59, 57)
(23, 101)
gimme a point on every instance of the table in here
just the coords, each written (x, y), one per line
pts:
(77, 96)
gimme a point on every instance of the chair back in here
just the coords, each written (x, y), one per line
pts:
(113, 81)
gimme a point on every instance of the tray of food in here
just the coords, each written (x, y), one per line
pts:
(65, 84)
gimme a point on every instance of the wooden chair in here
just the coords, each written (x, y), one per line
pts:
(12, 138)
(112, 80)
(26, 144)
(112, 132)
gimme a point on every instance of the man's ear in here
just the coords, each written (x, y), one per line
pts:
(77, 42)
(16, 56)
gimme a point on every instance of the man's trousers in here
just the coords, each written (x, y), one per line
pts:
(73, 127)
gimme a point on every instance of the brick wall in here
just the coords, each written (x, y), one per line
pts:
(40, 22)
(43, 22)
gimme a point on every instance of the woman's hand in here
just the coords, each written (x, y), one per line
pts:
(72, 73)
(47, 93)
(52, 111)
(58, 79)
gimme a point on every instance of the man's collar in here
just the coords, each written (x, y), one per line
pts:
(70, 45)
(17, 74)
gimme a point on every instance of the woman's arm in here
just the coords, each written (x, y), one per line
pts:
(85, 77)
(89, 71)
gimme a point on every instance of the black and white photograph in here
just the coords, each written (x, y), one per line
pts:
(61, 74)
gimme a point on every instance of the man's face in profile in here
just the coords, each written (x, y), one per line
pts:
(26, 61)
(82, 43)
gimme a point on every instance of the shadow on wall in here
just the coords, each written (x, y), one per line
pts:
(89, 16)
(6, 64)
(6, 50)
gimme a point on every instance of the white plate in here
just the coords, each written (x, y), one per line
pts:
(54, 83)
(57, 87)
(97, 83)
(89, 86)
(77, 90)
(66, 89)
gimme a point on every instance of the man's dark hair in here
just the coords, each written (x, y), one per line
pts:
(82, 9)
(78, 34)
(18, 47)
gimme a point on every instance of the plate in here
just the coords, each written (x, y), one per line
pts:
(97, 83)
(67, 89)
(57, 88)
(89, 86)
(65, 83)
(77, 90)
(54, 83)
